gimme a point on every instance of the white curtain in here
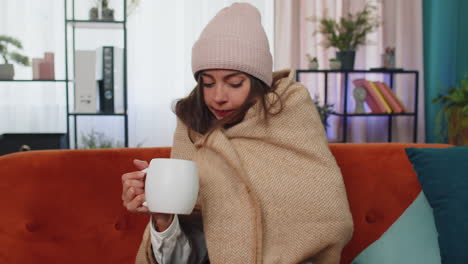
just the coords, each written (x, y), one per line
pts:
(160, 37)
(401, 28)
(161, 71)
(33, 107)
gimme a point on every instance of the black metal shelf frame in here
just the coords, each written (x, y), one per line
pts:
(390, 116)
(99, 24)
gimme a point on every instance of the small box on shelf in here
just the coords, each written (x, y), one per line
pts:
(44, 68)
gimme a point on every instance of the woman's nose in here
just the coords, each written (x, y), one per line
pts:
(220, 95)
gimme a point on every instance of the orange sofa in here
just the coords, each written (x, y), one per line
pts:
(64, 206)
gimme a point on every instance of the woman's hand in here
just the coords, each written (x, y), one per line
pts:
(133, 195)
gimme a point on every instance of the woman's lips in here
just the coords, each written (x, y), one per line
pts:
(222, 112)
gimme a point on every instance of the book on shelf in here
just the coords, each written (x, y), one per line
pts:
(85, 81)
(390, 97)
(393, 96)
(109, 77)
(380, 97)
(372, 98)
(99, 80)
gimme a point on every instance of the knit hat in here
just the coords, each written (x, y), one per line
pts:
(234, 39)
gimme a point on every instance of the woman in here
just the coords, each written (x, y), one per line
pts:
(270, 190)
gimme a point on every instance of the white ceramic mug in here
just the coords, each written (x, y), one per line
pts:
(171, 186)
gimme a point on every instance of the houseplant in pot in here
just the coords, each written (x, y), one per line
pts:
(324, 110)
(94, 11)
(7, 70)
(106, 12)
(313, 62)
(335, 64)
(348, 33)
(454, 113)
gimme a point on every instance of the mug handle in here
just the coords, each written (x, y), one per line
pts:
(145, 203)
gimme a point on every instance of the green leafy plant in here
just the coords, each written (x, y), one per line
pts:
(6, 53)
(350, 31)
(454, 110)
(324, 110)
(95, 140)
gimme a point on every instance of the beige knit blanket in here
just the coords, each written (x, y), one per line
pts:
(270, 192)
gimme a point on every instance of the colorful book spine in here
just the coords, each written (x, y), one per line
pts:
(381, 98)
(400, 103)
(371, 98)
(390, 97)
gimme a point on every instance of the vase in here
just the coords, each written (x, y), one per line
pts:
(347, 59)
(458, 127)
(93, 13)
(7, 71)
(107, 14)
(313, 65)
(335, 65)
(388, 60)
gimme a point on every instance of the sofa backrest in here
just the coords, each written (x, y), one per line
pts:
(65, 206)
(380, 183)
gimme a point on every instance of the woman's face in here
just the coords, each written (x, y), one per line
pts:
(224, 90)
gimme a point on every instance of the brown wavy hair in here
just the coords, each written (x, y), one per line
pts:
(194, 113)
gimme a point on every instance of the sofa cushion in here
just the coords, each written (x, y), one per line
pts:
(411, 239)
(443, 174)
(381, 184)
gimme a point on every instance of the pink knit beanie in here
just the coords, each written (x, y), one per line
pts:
(234, 39)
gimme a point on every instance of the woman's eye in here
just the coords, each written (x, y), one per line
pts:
(235, 85)
(208, 85)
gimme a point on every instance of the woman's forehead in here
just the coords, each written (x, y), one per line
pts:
(222, 73)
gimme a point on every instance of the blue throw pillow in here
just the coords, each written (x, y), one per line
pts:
(443, 174)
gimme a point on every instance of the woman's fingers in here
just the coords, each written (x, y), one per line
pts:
(140, 164)
(132, 179)
(133, 185)
(135, 175)
(135, 203)
(143, 210)
(130, 194)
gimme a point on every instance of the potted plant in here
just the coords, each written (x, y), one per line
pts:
(313, 62)
(335, 64)
(348, 33)
(7, 70)
(324, 110)
(95, 140)
(106, 12)
(454, 112)
(94, 11)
